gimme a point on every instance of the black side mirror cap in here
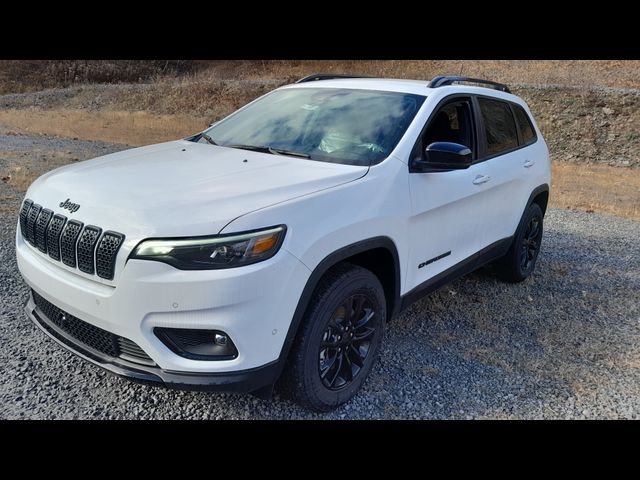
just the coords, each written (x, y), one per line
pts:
(443, 156)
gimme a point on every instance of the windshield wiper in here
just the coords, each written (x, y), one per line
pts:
(208, 139)
(248, 147)
(274, 151)
(291, 153)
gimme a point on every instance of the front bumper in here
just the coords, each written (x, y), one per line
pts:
(254, 305)
(240, 381)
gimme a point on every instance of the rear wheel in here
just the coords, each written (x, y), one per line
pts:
(338, 340)
(520, 260)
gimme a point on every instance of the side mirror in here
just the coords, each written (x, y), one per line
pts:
(440, 156)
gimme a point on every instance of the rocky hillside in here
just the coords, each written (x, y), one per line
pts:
(588, 125)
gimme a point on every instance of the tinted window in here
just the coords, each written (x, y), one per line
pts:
(499, 126)
(357, 127)
(452, 123)
(526, 129)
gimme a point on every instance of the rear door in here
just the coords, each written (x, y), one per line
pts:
(503, 152)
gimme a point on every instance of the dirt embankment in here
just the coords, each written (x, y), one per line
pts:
(588, 125)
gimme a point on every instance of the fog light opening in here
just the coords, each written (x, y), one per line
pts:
(198, 344)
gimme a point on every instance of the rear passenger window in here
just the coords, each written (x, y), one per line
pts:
(526, 129)
(499, 126)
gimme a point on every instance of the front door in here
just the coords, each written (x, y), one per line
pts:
(447, 207)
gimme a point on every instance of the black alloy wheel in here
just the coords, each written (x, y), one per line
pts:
(338, 340)
(530, 243)
(520, 260)
(346, 342)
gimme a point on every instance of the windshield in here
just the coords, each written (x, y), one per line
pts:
(355, 127)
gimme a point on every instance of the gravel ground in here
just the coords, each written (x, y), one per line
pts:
(22, 146)
(563, 344)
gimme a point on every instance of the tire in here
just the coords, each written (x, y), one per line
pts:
(520, 261)
(326, 352)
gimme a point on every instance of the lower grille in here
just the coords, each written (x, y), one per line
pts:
(91, 336)
(131, 351)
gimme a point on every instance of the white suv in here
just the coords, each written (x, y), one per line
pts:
(283, 238)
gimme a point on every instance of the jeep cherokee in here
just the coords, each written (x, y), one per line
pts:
(280, 241)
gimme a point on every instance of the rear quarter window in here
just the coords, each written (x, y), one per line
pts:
(524, 123)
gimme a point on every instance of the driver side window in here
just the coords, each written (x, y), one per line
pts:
(451, 123)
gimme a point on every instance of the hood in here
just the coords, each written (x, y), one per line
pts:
(181, 188)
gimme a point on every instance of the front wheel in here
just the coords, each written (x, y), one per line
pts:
(338, 340)
(520, 260)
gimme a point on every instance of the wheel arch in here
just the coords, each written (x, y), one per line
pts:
(378, 254)
(540, 195)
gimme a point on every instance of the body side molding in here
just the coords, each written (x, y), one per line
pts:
(468, 265)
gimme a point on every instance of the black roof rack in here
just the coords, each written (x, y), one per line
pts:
(327, 76)
(443, 80)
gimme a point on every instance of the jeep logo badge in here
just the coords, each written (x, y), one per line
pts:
(72, 207)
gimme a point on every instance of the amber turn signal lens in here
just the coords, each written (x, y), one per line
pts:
(264, 244)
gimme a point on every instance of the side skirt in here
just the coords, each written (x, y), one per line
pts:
(475, 261)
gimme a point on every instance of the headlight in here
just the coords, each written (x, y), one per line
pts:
(219, 251)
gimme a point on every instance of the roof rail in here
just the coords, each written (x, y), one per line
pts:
(327, 76)
(443, 80)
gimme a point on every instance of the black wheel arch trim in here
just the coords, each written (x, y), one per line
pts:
(318, 272)
(537, 191)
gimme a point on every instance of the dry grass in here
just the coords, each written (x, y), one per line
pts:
(20, 173)
(204, 97)
(32, 75)
(4, 199)
(19, 177)
(617, 73)
(131, 128)
(596, 188)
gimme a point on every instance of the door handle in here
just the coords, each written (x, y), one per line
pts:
(529, 163)
(480, 179)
